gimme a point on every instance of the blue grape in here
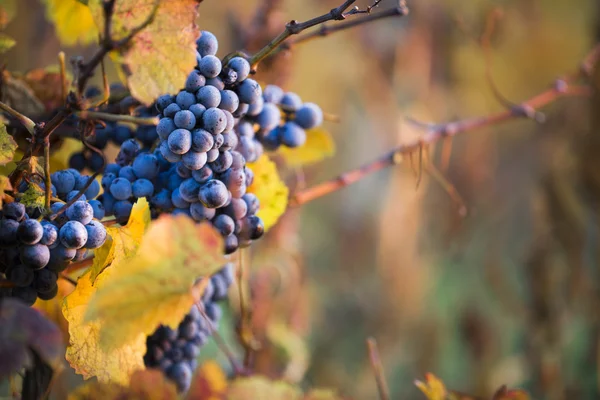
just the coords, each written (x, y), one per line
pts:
(14, 210)
(207, 44)
(98, 207)
(121, 189)
(122, 133)
(212, 155)
(50, 235)
(162, 200)
(216, 82)
(182, 170)
(273, 94)
(189, 190)
(142, 188)
(255, 108)
(165, 127)
(171, 110)
(228, 76)
(241, 67)
(242, 110)
(238, 160)
(92, 191)
(272, 140)
(35, 256)
(129, 149)
(108, 201)
(181, 374)
(269, 118)
(146, 166)
(197, 109)
(214, 194)
(208, 96)
(219, 139)
(237, 209)
(230, 121)
(64, 181)
(229, 101)
(231, 244)
(112, 168)
(96, 235)
(195, 81)
(291, 100)
(309, 116)
(60, 257)
(185, 119)
(246, 148)
(249, 91)
(200, 213)
(252, 203)
(30, 231)
(224, 224)
(245, 128)
(168, 154)
(107, 180)
(177, 200)
(214, 120)
(20, 275)
(78, 161)
(180, 141)
(73, 235)
(181, 211)
(210, 66)
(44, 280)
(194, 160)
(292, 135)
(75, 193)
(128, 173)
(163, 102)
(202, 175)
(230, 141)
(202, 141)
(123, 211)
(185, 100)
(80, 211)
(222, 163)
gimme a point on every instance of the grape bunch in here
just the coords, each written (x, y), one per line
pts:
(34, 251)
(175, 351)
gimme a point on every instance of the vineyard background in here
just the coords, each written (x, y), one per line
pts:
(507, 295)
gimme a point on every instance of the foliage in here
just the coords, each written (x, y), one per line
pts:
(319, 146)
(7, 146)
(270, 190)
(72, 20)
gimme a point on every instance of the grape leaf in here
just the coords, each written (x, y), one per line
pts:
(33, 197)
(319, 145)
(159, 58)
(72, 20)
(433, 387)
(17, 94)
(22, 330)
(7, 146)
(259, 387)
(270, 190)
(4, 186)
(84, 352)
(6, 42)
(209, 382)
(143, 385)
(46, 83)
(123, 241)
(52, 309)
(157, 285)
(291, 348)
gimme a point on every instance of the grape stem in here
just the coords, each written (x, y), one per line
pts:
(26, 122)
(117, 117)
(562, 87)
(400, 10)
(294, 27)
(375, 359)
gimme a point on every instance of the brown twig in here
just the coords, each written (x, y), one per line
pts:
(375, 359)
(47, 179)
(294, 27)
(437, 132)
(117, 117)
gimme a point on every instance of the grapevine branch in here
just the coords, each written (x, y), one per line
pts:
(382, 386)
(294, 27)
(436, 132)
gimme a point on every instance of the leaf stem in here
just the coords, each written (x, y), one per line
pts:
(25, 121)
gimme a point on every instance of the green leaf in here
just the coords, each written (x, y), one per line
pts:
(160, 57)
(33, 197)
(7, 146)
(6, 42)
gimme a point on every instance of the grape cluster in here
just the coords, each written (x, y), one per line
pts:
(34, 251)
(175, 351)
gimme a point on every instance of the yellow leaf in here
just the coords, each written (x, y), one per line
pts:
(144, 385)
(293, 349)
(84, 352)
(433, 388)
(6, 42)
(123, 241)
(160, 57)
(322, 394)
(72, 20)
(52, 309)
(209, 383)
(270, 190)
(7, 146)
(319, 145)
(157, 285)
(261, 388)
(4, 186)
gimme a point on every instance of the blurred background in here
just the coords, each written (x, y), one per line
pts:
(509, 294)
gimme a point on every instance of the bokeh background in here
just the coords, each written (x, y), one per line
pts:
(509, 294)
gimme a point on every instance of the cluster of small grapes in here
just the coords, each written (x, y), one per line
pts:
(33, 252)
(175, 352)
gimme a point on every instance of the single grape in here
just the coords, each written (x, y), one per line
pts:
(185, 119)
(162, 200)
(180, 141)
(123, 211)
(222, 163)
(45, 280)
(241, 66)
(249, 91)
(242, 110)
(98, 207)
(73, 235)
(185, 99)
(229, 101)
(78, 160)
(252, 202)
(202, 141)
(230, 121)
(168, 154)
(291, 101)
(35, 256)
(122, 133)
(272, 140)
(269, 118)
(207, 44)
(255, 108)
(121, 189)
(163, 102)
(30, 231)
(177, 200)
(14, 211)
(128, 173)
(228, 76)
(224, 224)
(50, 235)
(64, 181)
(230, 141)
(75, 194)
(194, 160)
(80, 211)
(213, 194)
(171, 110)
(231, 244)
(195, 81)
(245, 128)
(208, 96)
(197, 109)
(108, 201)
(182, 170)
(142, 188)
(273, 94)
(200, 213)
(93, 190)
(292, 135)
(309, 116)
(165, 127)
(107, 180)
(49, 295)
(60, 257)
(237, 209)
(212, 155)
(210, 66)
(214, 120)
(146, 166)
(203, 174)
(112, 168)
(129, 149)
(219, 139)
(80, 255)
(189, 190)
(216, 82)
(96, 235)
